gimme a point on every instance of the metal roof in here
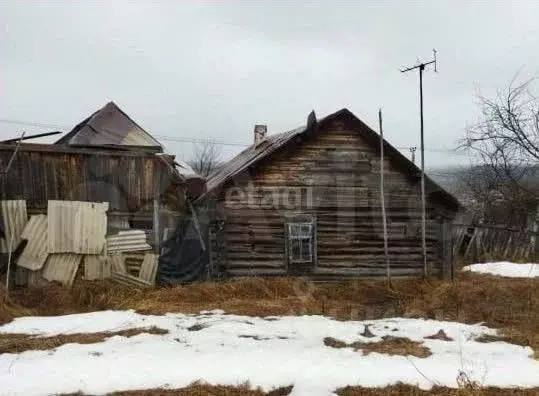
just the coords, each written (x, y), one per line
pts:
(254, 154)
(250, 156)
(109, 126)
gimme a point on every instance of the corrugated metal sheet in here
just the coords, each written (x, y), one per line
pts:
(130, 280)
(127, 241)
(133, 262)
(96, 267)
(77, 227)
(35, 279)
(61, 267)
(117, 263)
(148, 269)
(117, 223)
(35, 252)
(14, 219)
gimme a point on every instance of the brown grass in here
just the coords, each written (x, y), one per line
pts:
(388, 345)
(408, 390)
(8, 309)
(16, 343)
(509, 304)
(394, 390)
(198, 389)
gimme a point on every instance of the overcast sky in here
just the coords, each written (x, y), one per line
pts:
(214, 69)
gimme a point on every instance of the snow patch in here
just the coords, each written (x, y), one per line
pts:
(505, 268)
(232, 349)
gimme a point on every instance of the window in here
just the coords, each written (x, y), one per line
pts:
(300, 242)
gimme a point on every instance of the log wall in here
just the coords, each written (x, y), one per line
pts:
(333, 176)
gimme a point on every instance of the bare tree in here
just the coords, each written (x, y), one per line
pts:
(507, 141)
(206, 158)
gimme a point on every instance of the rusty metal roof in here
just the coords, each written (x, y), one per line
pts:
(254, 154)
(109, 126)
(250, 156)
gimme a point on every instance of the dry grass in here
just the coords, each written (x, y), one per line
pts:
(388, 345)
(394, 390)
(16, 343)
(9, 310)
(509, 304)
(408, 390)
(198, 389)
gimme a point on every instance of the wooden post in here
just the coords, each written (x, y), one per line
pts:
(446, 242)
(534, 246)
(382, 197)
(4, 196)
(156, 226)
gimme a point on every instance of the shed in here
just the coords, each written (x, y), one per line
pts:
(307, 202)
(106, 158)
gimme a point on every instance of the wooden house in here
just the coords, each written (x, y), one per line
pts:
(307, 202)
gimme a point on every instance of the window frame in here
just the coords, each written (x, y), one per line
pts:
(300, 221)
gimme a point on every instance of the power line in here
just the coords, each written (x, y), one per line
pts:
(218, 142)
(35, 124)
(198, 140)
(163, 137)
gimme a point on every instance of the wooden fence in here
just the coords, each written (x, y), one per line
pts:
(473, 243)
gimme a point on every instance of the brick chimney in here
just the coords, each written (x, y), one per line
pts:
(260, 133)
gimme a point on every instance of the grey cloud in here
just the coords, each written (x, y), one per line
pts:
(214, 69)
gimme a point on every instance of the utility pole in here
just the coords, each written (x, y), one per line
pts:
(421, 67)
(9, 243)
(412, 150)
(382, 198)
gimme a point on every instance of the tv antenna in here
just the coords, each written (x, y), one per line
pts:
(413, 150)
(421, 67)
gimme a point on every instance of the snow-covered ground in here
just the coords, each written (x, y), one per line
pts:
(268, 352)
(507, 269)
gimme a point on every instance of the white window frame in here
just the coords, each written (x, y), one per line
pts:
(300, 229)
